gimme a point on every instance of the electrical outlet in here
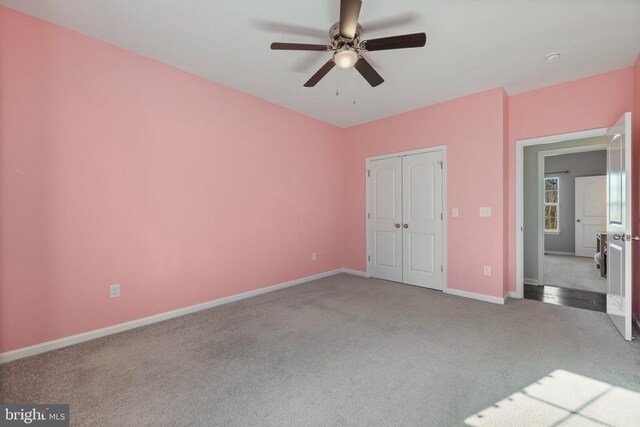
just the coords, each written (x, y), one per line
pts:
(114, 291)
(455, 212)
(487, 270)
(314, 256)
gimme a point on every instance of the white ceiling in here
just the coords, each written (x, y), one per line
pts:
(472, 45)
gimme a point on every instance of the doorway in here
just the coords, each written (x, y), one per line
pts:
(571, 214)
(619, 239)
(406, 225)
(564, 217)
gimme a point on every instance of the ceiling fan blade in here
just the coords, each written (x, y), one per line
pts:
(396, 42)
(320, 74)
(300, 46)
(367, 71)
(349, 14)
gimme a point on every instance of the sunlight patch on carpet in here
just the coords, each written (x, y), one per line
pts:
(564, 399)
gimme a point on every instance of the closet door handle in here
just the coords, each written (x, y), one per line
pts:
(405, 225)
(397, 225)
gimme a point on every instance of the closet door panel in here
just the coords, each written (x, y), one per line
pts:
(385, 211)
(422, 222)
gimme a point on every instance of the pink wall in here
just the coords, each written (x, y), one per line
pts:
(588, 103)
(118, 169)
(636, 179)
(472, 128)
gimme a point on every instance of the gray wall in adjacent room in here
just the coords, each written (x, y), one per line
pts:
(578, 164)
(530, 200)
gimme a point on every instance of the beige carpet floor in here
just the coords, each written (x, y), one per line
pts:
(346, 350)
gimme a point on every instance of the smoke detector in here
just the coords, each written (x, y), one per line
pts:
(553, 57)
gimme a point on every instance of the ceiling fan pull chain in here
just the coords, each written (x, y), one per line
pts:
(354, 85)
(337, 84)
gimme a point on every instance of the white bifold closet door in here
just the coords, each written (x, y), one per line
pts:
(406, 219)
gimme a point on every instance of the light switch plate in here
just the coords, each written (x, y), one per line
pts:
(485, 212)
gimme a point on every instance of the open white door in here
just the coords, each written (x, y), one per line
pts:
(619, 237)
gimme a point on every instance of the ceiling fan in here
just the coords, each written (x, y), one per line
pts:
(347, 47)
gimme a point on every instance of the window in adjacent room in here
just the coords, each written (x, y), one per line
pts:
(551, 205)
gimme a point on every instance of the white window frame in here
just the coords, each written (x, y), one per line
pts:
(557, 204)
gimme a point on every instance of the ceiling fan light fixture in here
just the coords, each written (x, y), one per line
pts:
(345, 57)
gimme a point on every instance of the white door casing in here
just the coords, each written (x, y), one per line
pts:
(590, 213)
(422, 214)
(619, 237)
(385, 217)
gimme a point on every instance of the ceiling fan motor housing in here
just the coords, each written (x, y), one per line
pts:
(337, 41)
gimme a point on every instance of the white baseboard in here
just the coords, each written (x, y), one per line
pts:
(528, 281)
(473, 295)
(510, 294)
(354, 272)
(559, 253)
(121, 327)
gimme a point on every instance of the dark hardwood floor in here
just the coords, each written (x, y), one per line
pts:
(569, 297)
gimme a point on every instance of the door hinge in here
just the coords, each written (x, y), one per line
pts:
(441, 216)
(368, 258)
(441, 164)
(441, 267)
(368, 216)
(368, 172)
